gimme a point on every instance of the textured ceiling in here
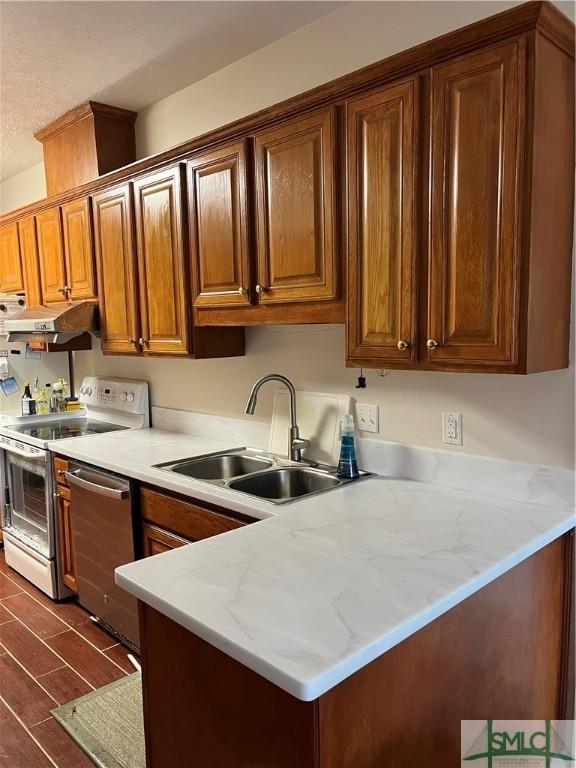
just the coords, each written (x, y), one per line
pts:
(55, 55)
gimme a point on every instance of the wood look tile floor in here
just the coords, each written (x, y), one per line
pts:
(50, 653)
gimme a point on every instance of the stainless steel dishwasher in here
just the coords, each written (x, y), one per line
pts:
(103, 525)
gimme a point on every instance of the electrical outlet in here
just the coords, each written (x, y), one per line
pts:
(452, 428)
(367, 417)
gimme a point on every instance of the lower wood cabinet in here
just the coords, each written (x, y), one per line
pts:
(65, 529)
(169, 522)
(10, 264)
(156, 540)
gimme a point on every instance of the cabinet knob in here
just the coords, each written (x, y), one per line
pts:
(63, 289)
(403, 345)
(131, 341)
(261, 288)
(432, 344)
(142, 341)
(243, 291)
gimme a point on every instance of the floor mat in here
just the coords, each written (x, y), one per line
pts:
(108, 724)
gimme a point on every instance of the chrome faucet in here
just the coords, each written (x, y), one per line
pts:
(296, 443)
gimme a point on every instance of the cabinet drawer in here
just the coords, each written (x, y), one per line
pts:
(156, 540)
(60, 468)
(183, 518)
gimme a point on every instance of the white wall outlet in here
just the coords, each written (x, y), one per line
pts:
(367, 417)
(452, 428)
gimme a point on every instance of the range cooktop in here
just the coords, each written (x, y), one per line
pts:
(59, 430)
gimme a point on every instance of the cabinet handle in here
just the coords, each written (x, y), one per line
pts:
(142, 342)
(235, 292)
(131, 341)
(63, 289)
(261, 288)
(432, 344)
(403, 345)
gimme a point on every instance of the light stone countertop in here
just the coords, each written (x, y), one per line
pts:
(325, 585)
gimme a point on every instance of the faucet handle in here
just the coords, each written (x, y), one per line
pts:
(300, 442)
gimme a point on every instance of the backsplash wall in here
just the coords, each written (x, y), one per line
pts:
(521, 418)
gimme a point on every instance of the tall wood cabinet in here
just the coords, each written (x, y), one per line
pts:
(295, 195)
(162, 265)
(30, 264)
(382, 237)
(117, 270)
(10, 265)
(51, 255)
(78, 251)
(219, 222)
(448, 266)
(474, 266)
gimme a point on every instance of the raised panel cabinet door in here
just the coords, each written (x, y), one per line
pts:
(382, 157)
(217, 190)
(477, 108)
(79, 256)
(161, 265)
(66, 544)
(156, 540)
(296, 210)
(116, 270)
(30, 262)
(51, 255)
(10, 265)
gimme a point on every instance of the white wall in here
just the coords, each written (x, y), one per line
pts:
(523, 418)
(23, 188)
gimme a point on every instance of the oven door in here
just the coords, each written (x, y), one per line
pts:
(28, 507)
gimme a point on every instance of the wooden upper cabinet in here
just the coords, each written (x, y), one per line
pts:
(78, 253)
(10, 265)
(296, 245)
(51, 255)
(382, 164)
(161, 262)
(117, 271)
(474, 263)
(30, 264)
(217, 190)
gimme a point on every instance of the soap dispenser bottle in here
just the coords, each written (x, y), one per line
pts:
(347, 466)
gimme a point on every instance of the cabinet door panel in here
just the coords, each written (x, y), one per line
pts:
(382, 161)
(156, 540)
(10, 265)
(219, 227)
(79, 257)
(30, 263)
(51, 255)
(295, 196)
(473, 268)
(117, 272)
(66, 544)
(161, 265)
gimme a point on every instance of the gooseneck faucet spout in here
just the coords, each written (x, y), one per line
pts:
(296, 444)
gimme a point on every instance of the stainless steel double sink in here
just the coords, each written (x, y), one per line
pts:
(260, 474)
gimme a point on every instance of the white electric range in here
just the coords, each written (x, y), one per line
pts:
(26, 472)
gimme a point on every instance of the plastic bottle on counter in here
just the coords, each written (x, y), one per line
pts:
(28, 402)
(347, 466)
(59, 391)
(42, 404)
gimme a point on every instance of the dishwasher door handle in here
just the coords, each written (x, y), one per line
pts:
(75, 478)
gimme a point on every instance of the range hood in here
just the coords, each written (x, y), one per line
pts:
(53, 325)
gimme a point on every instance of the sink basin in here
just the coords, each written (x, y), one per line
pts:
(222, 467)
(286, 483)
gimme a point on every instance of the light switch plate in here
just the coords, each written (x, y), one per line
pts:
(367, 417)
(452, 428)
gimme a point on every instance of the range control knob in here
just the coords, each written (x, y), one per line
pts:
(130, 397)
(123, 396)
(89, 391)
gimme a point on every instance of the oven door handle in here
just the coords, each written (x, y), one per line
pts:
(24, 454)
(75, 478)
